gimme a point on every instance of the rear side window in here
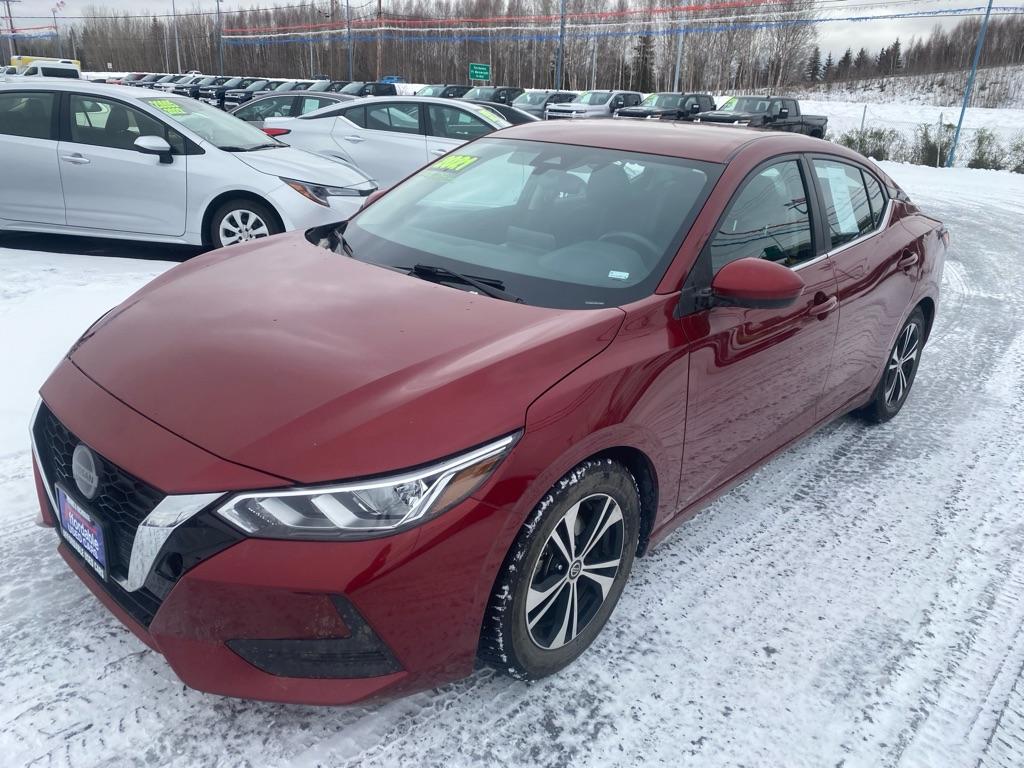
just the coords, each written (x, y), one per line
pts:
(769, 219)
(313, 103)
(60, 72)
(29, 115)
(261, 109)
(355, 115)
(393, 117)
(877, 199)
(452, 123)
(846, 201)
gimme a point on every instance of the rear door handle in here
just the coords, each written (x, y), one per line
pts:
(75, 159)
(823, 308)
(438, 151)
(354, 139)
(908, 260)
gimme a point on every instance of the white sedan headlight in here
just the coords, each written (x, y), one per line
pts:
(369, 508)
(321, 193)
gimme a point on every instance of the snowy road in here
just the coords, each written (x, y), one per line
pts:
(858, 602)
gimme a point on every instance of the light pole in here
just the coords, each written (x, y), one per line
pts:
(348, 23)
(561, 47)
(56, 31)
(970, 86)
(10, 28)
(220, 41)
(177, 48)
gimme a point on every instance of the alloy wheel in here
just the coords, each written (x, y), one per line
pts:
(241, 225)
(575, 571)
(901, 364)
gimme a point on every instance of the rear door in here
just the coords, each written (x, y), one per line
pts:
(30, 186)
(757, 375)
(107, 183)
(386, 139)
(877, 268)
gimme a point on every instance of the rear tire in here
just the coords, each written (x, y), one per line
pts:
(565, 572)
(900, 370)
(240, 220)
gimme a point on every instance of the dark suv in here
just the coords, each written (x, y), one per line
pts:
(669, 106)
(359, 88)
(535, 102)
(444, 91)
(502, 94)
(235, 96)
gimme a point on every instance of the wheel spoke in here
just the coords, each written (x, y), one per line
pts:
(604, 566)
(259, 229)
(531, 623)
(605, 582)
(610, 515)
(568, 629)
(537, 596)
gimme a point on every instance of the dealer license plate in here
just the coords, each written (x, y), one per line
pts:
(82, 532)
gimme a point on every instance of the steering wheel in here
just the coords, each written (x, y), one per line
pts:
(630, 239)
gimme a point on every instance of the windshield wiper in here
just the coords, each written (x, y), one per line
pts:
(486, 286)
(268, 145)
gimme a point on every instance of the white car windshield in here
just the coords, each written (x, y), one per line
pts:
(556, 225)
(223, 130)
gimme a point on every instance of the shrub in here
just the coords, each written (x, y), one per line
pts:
(931, 145)
(1016, 154)
(879, 143)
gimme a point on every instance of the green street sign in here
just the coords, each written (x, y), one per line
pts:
(479, 71)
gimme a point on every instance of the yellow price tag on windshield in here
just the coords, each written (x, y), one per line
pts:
(454, 163)
(168, 107)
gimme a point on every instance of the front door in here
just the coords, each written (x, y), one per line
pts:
(110, 185)
(30, 185)
(756, 375)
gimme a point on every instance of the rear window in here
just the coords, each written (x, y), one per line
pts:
(29, 115)
(60, 72)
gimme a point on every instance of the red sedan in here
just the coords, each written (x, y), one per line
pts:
(324, 466)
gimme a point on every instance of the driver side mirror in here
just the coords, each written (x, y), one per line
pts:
(756, 284)
(154, 145)
(373, 196)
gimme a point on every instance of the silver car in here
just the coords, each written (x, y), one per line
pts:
(134, 164)
(388, 137)
(591, 104)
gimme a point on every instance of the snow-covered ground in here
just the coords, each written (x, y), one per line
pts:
(858, 602)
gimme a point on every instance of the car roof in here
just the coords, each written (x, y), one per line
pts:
(711, 143)
(81, 86)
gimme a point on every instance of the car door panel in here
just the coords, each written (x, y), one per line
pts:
(28, 157)
(110, 185)
(756, 375)
(383, 153)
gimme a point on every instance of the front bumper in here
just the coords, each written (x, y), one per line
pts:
(293, 621)
(297, 212)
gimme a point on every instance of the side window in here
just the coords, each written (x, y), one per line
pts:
(261, 109)
(104, 123)
(29, 115)
(877, 199)
(846, 200)
(769, 219)
(452, 123)
(356, 115)
(396, 117)
(312, 103)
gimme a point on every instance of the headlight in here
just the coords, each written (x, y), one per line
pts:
(321, 194)
(369, 508)
(742, 122)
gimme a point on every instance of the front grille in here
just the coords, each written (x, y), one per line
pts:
(122, 501)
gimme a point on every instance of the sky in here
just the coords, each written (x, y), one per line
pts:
(834, 36)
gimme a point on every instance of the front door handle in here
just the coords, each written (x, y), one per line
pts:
(354, 139)
(438, 151)
(75, 159)
(908, 260)
(822, 308)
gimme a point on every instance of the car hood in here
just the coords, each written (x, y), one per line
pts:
(288, 358)
(301, 165)
(727, 117)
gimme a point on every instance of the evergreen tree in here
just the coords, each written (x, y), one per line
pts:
(895, 57)
(813, 71)
(828, 72)
(862, 63)
(845, 64)
(643, 64)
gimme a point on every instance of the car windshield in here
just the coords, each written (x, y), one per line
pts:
(593, 97)
(320, 85)
(533, 98)
(431, 90)
(662, 101)
(554, 224)
(752, 104)
(480, 94)
(256, 85)
(353, 88)
(222, 129)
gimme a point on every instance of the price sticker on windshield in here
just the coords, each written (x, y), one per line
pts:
(454, 163)
(168, 107)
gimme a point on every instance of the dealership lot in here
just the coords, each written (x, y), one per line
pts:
(857, 602)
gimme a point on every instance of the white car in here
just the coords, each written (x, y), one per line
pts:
(388, 137)
(107, 161)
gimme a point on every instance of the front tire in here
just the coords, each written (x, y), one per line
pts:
(241, 220)
(565, 572)
(900, 371)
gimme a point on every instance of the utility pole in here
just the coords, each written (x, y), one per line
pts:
(561, 46)
(177, 47)
(970, 86)
(10, 28)
(220, 41)
(593, 66)
(380, 16)
(679, 60)
(312, 21)
(56, 32)
(348, 23)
